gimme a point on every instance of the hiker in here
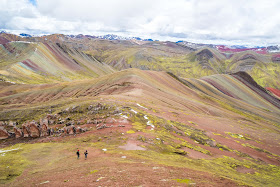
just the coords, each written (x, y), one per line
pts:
(78, 154)
(86, 154)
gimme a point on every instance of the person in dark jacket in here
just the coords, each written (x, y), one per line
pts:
(86, 153)
(78, 154)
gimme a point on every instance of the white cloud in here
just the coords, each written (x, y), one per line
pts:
(227, 21)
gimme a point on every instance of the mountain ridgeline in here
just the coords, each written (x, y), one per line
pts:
(79, 56)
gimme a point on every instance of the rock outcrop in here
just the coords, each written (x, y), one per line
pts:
(18, 132)
(11, 124)
(3, 133)
(44, 127)
(26, 130)
(70, 130)
(34, 130)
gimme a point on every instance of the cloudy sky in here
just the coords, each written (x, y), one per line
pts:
(251, 22)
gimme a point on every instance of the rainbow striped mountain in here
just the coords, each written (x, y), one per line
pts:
(150, 113)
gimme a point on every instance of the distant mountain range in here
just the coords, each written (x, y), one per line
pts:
(222, 48)
(109, 37)
(184, 59)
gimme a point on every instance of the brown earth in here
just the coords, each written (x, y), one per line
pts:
(107, 169)
(164, 100)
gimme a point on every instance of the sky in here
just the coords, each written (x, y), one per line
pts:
(235, 22)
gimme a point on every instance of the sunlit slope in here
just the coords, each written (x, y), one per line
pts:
(185, 62)
(206, 62)
(261, 67)
(219, 95)
(236, 93)
(158, 56)
(161, 56)
(27, 62)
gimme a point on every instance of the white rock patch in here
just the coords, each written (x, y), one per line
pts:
(149, 123)
(123, 116)
(4, 151)
(141, 106)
